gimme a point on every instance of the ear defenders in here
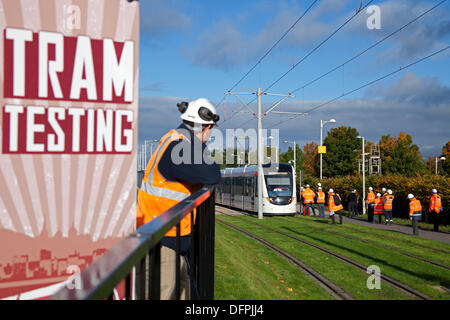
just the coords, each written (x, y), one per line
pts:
(182, 106)
(207, 115)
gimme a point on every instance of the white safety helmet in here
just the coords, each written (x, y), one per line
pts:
(389, 191)
(199, 111)
(383, 189)
(378, 194)
(370, 188)
(410, 196)
(307, 185)
(330, 191)
(319, 184)
(434, 191)
(319, 188)
(354, 191)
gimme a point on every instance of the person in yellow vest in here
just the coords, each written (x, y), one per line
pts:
(308, 200)
(415, 213)
(173, 173)
(435, 208)
(378, 208)
(370, 205)
(320, 200)
(334, 205)
(387, 207)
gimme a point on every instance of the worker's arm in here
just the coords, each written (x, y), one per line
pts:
(175, 165)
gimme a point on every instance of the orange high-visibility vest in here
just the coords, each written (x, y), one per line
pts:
(388, 203)
(435, 203)
(320, 197)
(308, 196)
(371, 197)
(378, 206)
(157, 194)
(415, 208)
(331, 205)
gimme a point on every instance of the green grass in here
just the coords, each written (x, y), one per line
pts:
(415, 245)
(427, 278)
(351, 279)
(245, 270)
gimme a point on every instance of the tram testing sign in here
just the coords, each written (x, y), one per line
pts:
(68, 133)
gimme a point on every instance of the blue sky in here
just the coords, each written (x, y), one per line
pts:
(191, 49)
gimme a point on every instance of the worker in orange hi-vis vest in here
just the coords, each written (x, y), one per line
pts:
(320, 200)
(370, 204)
(415, 213)
(308, 200)
(378, 208)
(435, 208)
(334, 205)
(387, 207)
(172, 175)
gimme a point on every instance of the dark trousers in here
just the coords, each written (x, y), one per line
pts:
(311, 207)
(387, 215)
(415, 225)
(321, 208)
(340, 217)
(352, 209)
(370, 213)
(435, 220)
(379, 218)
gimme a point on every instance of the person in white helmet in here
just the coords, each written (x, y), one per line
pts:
(415, 212)
(370, 205)
(180, 166)
(435, 208)
(388, 202)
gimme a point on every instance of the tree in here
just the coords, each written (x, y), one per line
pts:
(342, 152)
(289, 155)
(400, 156)
(310, 165)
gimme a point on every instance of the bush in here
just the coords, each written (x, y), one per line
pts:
(401, 186)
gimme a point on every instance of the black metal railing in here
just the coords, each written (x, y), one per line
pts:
(141, 251)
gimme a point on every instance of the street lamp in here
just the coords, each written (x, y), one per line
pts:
(440, 159)
(295, 157)
(364, 175)
(322, 123)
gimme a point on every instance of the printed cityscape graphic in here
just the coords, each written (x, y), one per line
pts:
(46, 264)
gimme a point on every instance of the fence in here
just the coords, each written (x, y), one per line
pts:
(99, 279)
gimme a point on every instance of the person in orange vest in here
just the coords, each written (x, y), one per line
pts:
(320, 200)
(435, 208)
(172, 175)
(308, 200)
(378, 208)
(387, 207)
(370, 204)
(415, 213)
(334, 205)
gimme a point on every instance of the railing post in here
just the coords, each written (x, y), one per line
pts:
(154, 278)
(206, 232)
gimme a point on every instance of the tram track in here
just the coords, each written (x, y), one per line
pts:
(394, 283)
(327, 285)
(377, 244)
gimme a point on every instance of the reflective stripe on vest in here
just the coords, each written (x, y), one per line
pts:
(435, 203)
(388, 202)
(371, 197)
(320, 197)
(157, 194)
(415, 208)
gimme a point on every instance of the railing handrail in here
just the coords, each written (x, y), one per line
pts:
(100, 278)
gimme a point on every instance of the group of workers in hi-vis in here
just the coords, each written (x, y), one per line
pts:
(378, 205)
(333, 200)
